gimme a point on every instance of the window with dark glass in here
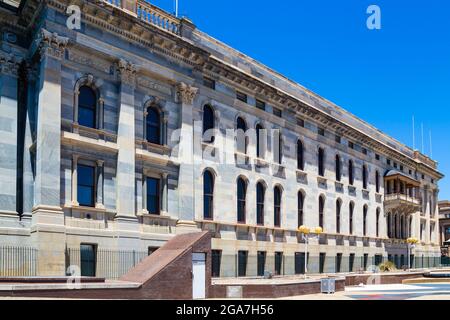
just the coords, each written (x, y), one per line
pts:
(209, 83)
(153, 126)
(321, 162)
(241, 96)
(277, 207)
(88, 260)
(278, 156)
(364, 151)
(261, 261)
(321, 131)
(242, 263)
(351, 262)
(241, 198)
(216, 259)
(352, 207)
(338, 216)
(261, 105)
(300, 159)
(153, 194)
(338, 168)
(300, 206)
(300, 262)
(351, 145)
(241, 138)
(87, 107)
(377, 181)
(389, 225)
(300, 122)
(208, 195)
(377, 157)
(338, 262)
(364, 176)
(86, 185)
(351, 178)
(208, 124)
(322, 257)
(378, 223)
(277, 112)
(260, 199)
(278, 263)
(365, 220)
(321, 211)
(337, 139)
(260, 141)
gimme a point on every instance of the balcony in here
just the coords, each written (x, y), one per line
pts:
(149, 13)
(402, 193)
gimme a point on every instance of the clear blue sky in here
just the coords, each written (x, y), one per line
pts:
(383, 76)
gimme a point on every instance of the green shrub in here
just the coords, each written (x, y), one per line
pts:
(387, 266)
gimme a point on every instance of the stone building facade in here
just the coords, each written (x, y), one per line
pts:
(102, 145)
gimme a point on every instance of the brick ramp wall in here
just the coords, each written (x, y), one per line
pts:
(355, 280)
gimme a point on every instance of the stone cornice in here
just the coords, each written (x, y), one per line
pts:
(185, 52)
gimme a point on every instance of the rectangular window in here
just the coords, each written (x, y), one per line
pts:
(241, 96)
(351, 262)
(401, 168)
(378, 259)
(278, 263)
(321, 131)
(209, 83)
(86, 185)
(277, 112)
(300, 122)
(366, 261)
(88, 260)
(364, 151)
(351, 145)
(261, 263)
(377, 157)
(242, 263)
(395, 165)
(338, 262)
(216, 258)
(261, 105)
(322, 257)
(300, 262)
(388, 161)
(337, 139)
(153, 196)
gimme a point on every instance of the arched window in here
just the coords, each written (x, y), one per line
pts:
(260, 199)
(241, 200)
(395, 235)
(351, 178)
(153, 126)
(208, 124)
(278, 150)
(277, 206)
(350, 220)
(338, 215)
(300, 205)
(321, 211)
(321, 162)
(377, 229)
(377, 181)
(338, 168)
(364, 176)
(87, 107)
(365, 210)
(300, 160)
(402, 227)
(260, 141)
(208, 195)
(241, 138)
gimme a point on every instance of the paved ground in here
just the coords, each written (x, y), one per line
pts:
(431, 291)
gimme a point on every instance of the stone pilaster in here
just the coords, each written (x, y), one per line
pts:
(9, 65)
(185, 95)
(48, 232)
(100, 198)
(126, 161)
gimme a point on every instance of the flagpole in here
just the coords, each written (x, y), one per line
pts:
(176, 8)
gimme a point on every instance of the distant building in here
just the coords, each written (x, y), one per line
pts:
(103, 156)
(444, 224)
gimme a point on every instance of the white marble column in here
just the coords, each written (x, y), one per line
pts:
(9, 65)
(126, 165)
(185, 97)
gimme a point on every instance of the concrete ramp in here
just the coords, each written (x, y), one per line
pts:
(167, 273)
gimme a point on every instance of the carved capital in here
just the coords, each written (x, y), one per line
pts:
(126, 72)
(9, 64)
(52, 44)
(185, 93)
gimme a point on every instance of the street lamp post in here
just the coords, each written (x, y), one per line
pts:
(411, 243)
(307, 235)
